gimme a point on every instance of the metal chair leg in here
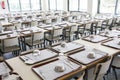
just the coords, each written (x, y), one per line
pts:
(115, 74)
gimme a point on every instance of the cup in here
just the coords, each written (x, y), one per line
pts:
(91, 37)
(63, 44)
(8, 35)
(91, 55)
(59, 67)
(36, 52)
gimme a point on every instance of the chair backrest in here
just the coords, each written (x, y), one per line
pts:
(79, 17)
(57, 32)
(12, 27)
(99, 23)
(38, 36)
(74, 28)
(48, 21)
(81, 76)
(110, 21)
(70, 18)
(88, 25)
(102, 68)
(59, 19)
(10, 41)
(34, 23)
(18, 25)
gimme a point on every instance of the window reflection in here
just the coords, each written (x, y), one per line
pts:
(25, 5)
(107, 6)
(14, 5)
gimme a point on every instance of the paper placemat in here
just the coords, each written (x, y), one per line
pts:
(47, 70)
(31, 58)
(83, 58)
(95, 39)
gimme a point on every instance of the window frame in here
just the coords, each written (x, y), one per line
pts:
(78, 6)
(115, 9)
(30, 4)
(56, 8)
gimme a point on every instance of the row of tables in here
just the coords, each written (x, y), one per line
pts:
(75, 59)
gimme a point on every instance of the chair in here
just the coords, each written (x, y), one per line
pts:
(71, 32)
(59, 19)
(112, 23)
(81, 30)
(10, 45)
(79, 77)
(102, 69)
(17, 25)
(48, 21)
(88, 27)
(117, 21)
(102, 25)
(116, 65)
(34, 23)
(36, 39)
(54, 35)
(79, 17)
(70, 18)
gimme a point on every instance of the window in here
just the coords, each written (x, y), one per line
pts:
(52, 4)
(73, 5)
(118, 7)
(35, 4)
(83, 5)
(78, 5)
(60, 4)
(14, 5)
(107, 6)
(25, 5)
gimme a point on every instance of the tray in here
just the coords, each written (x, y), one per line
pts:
(82, 56)
(6, 32)
(30, 58)
(69, 47)
(46, 71)
(112, 43)
(96, 38)
(5, 67)
(111, 34)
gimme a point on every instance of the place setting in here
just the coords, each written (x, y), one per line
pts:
(110, 33)
(56, 68)
(88, 55)
(37, 55)
(113, 43)
(70, 47)
(95, 38)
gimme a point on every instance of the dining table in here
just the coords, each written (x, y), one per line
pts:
(36, 71)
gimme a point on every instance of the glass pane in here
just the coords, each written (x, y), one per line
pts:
(83, 7)
(52, 4)
(107, 6)
(118, 7)
(35, 4)
(25, 5)
(60, 5)
(73, 5)
(14, 5)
